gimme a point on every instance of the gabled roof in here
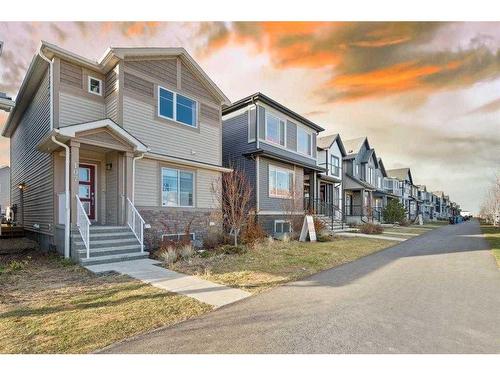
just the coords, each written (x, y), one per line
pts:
(327, 141)
(112, 56)
(422, 187)
(368, 155)
(382, 167)
(352, 146)
(258, 96)
(400, 173)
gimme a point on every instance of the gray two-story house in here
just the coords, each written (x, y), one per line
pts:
(277, 149)
(110, 156)
(409, 191)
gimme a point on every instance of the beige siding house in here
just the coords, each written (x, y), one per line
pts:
(140, 131)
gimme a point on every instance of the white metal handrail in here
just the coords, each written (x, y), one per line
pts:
(136, 223)
(83, 224)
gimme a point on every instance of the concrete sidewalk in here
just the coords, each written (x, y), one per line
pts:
(149, 271)
(377, 236)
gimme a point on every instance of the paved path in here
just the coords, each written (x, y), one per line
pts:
(147, 270)
(377, 236)
(436, 293)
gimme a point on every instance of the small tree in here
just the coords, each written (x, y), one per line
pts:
(234, 195)
(490, 209)
(394, 212)
(293, 210)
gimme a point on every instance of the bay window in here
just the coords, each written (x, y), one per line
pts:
(177, 107)
(280, 182)
(177, 188)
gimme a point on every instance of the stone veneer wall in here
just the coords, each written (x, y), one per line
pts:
(174, 220)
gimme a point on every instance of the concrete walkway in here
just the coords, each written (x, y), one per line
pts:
(148, 271)
(435, 293)
(377, 236)
(403, 233)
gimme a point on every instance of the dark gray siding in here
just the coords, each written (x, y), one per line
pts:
(291, 135)
(262, 122)
(32, 167)
(235, 144)
(288, 154)
(314, 149)
(252, 124)
(267, 222)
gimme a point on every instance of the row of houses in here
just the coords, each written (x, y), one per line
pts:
(109, 156)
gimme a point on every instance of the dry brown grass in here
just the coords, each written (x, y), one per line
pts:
(277, 262)
(48, 305)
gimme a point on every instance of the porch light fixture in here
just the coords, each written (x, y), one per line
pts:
(21, 186)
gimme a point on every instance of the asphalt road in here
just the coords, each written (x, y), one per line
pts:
(436, 293)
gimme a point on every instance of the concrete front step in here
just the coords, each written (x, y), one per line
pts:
(109, 250)
(95, 244)
(113, 258)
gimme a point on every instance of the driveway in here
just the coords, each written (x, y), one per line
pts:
(436, 293)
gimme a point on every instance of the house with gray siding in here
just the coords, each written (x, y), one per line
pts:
(4, 188)
(115, 154)
(409, 191)
(277, 150)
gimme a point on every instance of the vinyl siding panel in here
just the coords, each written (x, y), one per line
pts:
(169, 138)
(163, 70)
(267, 203)
(261, 122)
(111, 82)
(112, 189)
(210, 115)
(32, 167)
(111, 104)
(71, 74)
(205, 198)
(192, 85)
(138, 85)
(77, 109)
(4, 188)
(288, 154)
(291, 135)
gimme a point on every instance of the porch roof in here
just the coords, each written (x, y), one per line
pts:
(353, 183)
(70, 132)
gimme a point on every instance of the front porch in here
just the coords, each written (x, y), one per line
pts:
(101, 188)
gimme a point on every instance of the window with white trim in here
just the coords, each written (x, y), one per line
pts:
(177, 188)
(280, 182)
(356, 170)
(303, 141)
(95, 86)
(177, 107)
(275, 129)
(335, 166)
(282, 226)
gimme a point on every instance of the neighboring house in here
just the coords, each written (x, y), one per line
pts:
(6, 103)
(384, 191)
(409, 192)
(140, 131)
(359, 180)
(331, 152)
(438, 208)
(4, 188)
(426, 206)
(276, 149)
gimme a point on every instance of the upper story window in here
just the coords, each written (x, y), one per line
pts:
(275, 130)
(280, 182)
(356, 170)
(335, 166)
(379, 181)
(95, 86)
(177, 107)
(177, 188)
(303, 141)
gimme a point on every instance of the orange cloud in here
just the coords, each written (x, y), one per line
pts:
(365, 58)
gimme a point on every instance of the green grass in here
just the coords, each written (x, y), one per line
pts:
(49, 305)
(274, 263)
(492, 235)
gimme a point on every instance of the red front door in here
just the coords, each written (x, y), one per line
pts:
(86, 189)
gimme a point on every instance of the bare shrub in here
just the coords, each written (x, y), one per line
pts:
(186, 251)
(319, 225)
(293, 210)
(168, 255)
(252, 232)
(370, 228)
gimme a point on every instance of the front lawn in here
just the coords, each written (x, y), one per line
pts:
(49, 305)
(492, 235)
(277, 262)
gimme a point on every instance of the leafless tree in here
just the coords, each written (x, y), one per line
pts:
(490, 209)
(234, 196)
(293, 210)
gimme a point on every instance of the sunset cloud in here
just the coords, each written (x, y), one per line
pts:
(366, 58)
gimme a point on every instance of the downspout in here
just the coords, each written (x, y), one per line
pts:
(51, 86)
(133, 175)
(66, 196)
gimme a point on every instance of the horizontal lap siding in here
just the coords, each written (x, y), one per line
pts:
(71, 74)
(32, 167)
(192, 85)
(164, 70)
(148, 185)
(111, 103)
(77, 109)
(166, 137)
(138, 85)
(111, 83)
(210, 115)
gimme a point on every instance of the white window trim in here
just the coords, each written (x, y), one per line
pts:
(288, 171)
(178, 186)
(331, 165)
(310, 145)
(254, 108)
(282, 222)
(279, 129)
(174, 113)
(100, 85)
